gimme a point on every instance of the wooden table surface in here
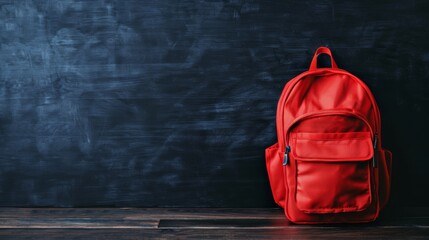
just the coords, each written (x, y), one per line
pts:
(195, 223)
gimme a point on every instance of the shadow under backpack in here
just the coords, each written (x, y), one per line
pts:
(328, 165)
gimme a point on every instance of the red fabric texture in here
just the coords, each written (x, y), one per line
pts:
(336, 170)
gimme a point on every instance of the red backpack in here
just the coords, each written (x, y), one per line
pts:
(328, 165)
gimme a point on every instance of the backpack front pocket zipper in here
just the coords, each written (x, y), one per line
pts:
(328, 112)
(286, 158)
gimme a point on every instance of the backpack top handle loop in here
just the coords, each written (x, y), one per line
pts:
(320, 50)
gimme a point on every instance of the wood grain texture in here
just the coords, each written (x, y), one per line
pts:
(172, 103)
(291, 233)
(144, 213)
(195, 223)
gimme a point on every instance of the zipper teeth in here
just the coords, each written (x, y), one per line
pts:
(296, 79)
(327, 113)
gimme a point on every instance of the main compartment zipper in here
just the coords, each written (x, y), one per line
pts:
(291, 84)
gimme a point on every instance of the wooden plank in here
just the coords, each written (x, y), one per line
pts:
(197, 223)
(287, 233)
(144, 213)
(283, 223)
(410, 222)
(76, 223)
(183, 213)
(178, 217)
(223, 223)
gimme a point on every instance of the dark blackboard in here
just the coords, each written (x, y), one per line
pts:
(172, 103)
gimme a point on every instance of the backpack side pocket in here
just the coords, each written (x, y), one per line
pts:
(273, 158)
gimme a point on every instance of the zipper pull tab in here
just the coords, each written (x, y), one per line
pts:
(286, 159)
(374, 157)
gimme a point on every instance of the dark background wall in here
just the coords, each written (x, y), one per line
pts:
(172, 103)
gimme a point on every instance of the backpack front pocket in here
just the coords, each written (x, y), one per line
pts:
(333, 171)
